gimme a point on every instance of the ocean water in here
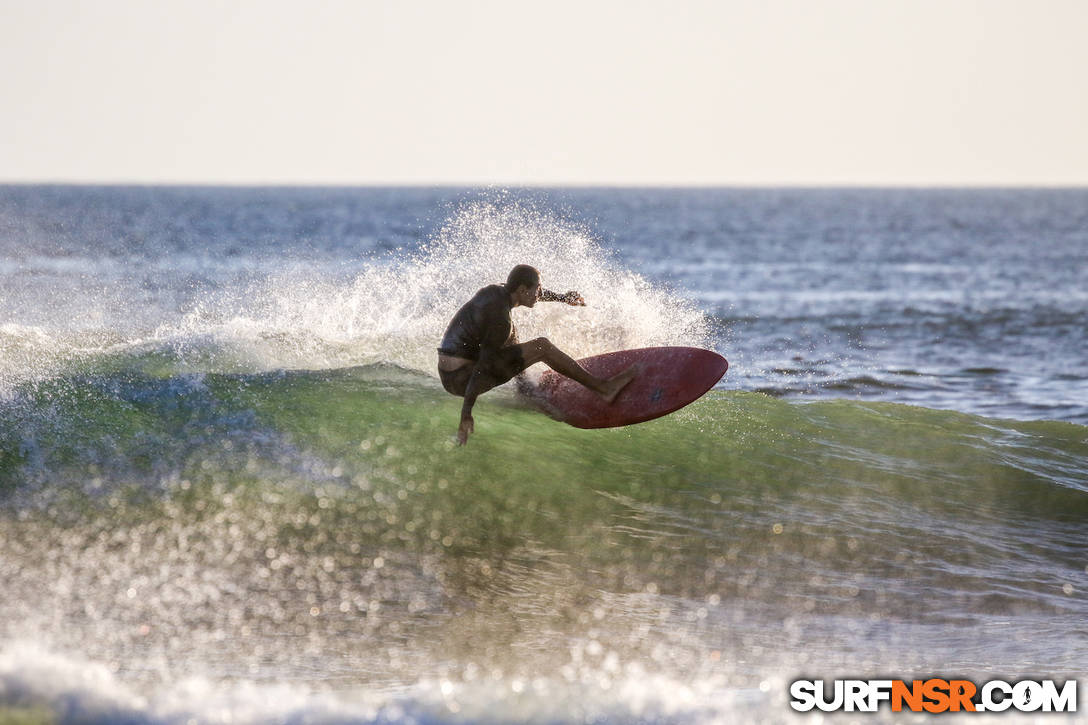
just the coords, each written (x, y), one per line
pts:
(229, 491)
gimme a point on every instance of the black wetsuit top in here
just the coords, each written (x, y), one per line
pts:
(483, 332)
(482, 322)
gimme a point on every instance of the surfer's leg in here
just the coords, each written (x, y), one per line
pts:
(542, 350)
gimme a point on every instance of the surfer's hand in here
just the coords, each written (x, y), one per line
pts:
(574, 299)
(466, 429)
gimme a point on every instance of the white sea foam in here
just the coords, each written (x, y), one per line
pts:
(77, 690)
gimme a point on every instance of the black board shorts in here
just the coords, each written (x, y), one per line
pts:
(503, 366)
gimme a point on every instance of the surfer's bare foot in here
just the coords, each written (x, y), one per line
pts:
(618, 382)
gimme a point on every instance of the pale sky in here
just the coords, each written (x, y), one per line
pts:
(809, 92)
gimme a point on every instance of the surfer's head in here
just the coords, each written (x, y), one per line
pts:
(523, 284)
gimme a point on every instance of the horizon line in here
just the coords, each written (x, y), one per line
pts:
(311, 184)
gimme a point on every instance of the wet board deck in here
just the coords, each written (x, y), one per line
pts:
(671, 378)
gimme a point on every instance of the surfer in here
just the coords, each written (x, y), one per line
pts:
(480, 349)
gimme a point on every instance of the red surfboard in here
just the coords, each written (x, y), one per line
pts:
(671, 377)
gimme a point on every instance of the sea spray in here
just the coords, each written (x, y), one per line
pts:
(394, 311)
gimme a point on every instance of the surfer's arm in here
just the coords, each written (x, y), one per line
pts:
(479, 382)
(497, 328)
(472, 391)
(571, 298)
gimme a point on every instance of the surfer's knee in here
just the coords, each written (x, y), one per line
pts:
(540, 345)
(545, 344)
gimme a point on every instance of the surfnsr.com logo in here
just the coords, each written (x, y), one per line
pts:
(934, 695)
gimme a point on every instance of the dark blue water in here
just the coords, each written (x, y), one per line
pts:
(970, 300)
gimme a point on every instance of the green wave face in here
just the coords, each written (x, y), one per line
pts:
(253, 520)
